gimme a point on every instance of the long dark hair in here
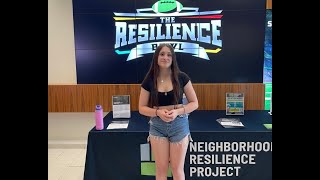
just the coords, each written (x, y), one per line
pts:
(153, 73)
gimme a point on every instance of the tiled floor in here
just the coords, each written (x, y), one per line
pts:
(67, 139)
(66, 164)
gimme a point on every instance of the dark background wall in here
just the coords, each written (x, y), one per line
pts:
(240, 60)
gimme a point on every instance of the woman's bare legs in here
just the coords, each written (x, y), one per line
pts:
(177, 158)
(160, 149)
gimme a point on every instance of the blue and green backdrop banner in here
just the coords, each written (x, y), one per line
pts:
(215, 41)
(267, 70)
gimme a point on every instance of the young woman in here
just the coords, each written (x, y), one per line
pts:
(161, 99)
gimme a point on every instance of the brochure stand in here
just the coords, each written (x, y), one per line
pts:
(234, 104)
(121, 106)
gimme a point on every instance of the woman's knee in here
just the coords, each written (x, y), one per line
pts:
(162, 169)
(177, 167)
(177, 170)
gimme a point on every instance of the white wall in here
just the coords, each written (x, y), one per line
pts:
(64, 129)
(61, 48)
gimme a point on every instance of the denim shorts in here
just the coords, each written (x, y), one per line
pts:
(174, 130)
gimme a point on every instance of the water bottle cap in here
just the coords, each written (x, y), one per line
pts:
(98, 107)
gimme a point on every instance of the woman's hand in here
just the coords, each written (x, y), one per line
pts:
(166, 115)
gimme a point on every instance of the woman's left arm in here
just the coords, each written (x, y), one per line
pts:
(192, 98)
(188, 108)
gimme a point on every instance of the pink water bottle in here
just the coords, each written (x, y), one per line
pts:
(99, 117)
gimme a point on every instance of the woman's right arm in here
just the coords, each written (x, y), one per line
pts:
(143, 104)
